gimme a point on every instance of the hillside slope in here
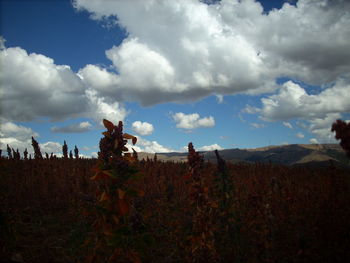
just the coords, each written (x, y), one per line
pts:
(294, 154)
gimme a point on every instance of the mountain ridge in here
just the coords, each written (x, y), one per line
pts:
(291, 155)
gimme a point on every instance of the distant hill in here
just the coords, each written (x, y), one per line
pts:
(291, 155)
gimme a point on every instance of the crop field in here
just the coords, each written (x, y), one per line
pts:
(120, 209)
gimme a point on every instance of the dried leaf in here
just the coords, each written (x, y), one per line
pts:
(134, 257)
(129, 157)
(130, 137)
(121, 193)
(109, 125)
(115, 255)
(123, 207)
(107, 134)
(101, 175)
(104, 197)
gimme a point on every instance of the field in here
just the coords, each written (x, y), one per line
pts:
(120, 209)
(277, 214)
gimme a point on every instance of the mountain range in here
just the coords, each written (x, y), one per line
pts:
(316, 155)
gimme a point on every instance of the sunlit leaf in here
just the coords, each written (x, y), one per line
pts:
(107, 134)
(130, 137)
(109, 125)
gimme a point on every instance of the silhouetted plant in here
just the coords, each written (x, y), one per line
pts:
(25, 154)
(9, 152)
(65, 150)
(342, 133)
(76, 152)
(119, 236)
(36, 147)
(202, 247)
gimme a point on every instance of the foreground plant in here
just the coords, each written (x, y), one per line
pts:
(342, 133)
(202, 247)
(118, 237)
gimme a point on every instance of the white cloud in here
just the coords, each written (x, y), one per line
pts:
(318, 111)
(2, 42)
(300, 135)
(186, 50)
(103, 108)
(220, 98)
(257, 125)
(16, 136)
(143, 145)
(192, 121)
(32, 86)
(19, 137)
(142, 128)
(292, 101)
(250, 109)
(73, 128)
(51, 147)
(288, 124)
(10, 129)
(314, 141)
(94, 154)
(212, 147)
(321, 127)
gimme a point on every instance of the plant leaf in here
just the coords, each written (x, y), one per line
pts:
(130, 137)
(121, 193)
(123, 207)
(109, 125)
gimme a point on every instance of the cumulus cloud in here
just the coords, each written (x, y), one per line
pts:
(10, 129)
(257, 125)
(321, 127)
(73, 128)
(212, 147)
(186, 50)
(288, 125)
(192, 121)
(2, 42)
(319, 111)
(33, 86)
(314, 141)
(51, 147)
(300, 135)
(142, 128)
(144, 145)
(104, 108)
(293, 101)
(16, 136)
(19, 137)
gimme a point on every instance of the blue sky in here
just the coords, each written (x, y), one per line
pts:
(232, 74)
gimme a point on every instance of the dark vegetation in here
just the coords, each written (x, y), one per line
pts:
(121, 209)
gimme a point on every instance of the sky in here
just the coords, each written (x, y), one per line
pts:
(221, 74)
